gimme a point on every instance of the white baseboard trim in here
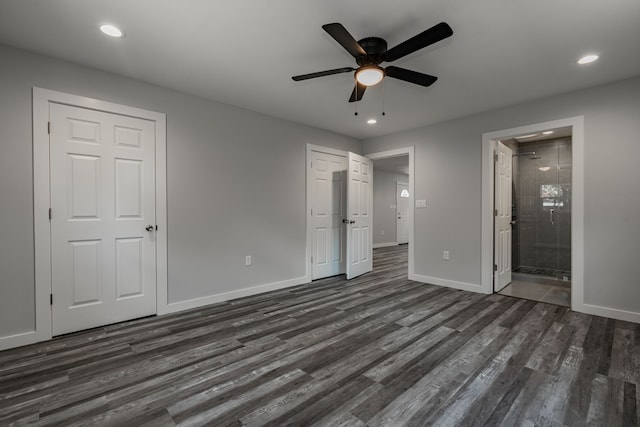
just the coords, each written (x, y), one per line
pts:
(612, 313)
(226, 296)
(448, 283)
(384, 245)
(18, 340)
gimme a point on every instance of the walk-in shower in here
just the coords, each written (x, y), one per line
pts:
(541, 208)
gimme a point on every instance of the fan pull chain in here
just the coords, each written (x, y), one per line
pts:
(355, 102)
(383, 113)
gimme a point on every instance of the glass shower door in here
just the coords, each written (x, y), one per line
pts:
(553, 219)
(544, 209)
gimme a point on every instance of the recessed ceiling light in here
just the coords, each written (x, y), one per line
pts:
(527, 136)
(111, 31)
(372, 121)
(587, 59)
(547, 132)
(544, 168)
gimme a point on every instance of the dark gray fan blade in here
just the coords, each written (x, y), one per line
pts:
(432, 35)
(342, 36)
(410, 76)
(357, 93)
(322, 73)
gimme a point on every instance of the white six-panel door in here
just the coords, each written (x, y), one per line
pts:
(102, 200)
(502, 242)
(359, 208)
(328, 208)
(402, 211)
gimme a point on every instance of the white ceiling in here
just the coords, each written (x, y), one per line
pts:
(244, 52)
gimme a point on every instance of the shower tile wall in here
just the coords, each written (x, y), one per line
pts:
(542, 208)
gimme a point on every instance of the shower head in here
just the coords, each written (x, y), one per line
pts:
(531, 154)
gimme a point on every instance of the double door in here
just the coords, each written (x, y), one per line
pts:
(341, 220)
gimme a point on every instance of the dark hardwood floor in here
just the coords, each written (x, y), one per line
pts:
(379, 350)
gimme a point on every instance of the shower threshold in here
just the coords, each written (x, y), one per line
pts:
(549, 273)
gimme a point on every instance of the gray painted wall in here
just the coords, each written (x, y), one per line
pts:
(384, 196)
(448, 175)
(236, 184)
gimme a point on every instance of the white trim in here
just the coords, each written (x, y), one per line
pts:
(41, 203)
(307, 215)
(384, 245)
(18, 340)
(614, 313)
(240, 293)
(410, 151)
(577, 214)
(472, 287)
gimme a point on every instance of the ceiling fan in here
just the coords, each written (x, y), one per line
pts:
(370, 52)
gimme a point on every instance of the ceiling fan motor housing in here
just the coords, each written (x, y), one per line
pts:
(375, 48)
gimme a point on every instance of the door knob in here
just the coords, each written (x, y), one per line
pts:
(346, 221)
(149, 227)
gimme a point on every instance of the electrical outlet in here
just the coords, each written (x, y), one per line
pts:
(247, 260)
(445, 255)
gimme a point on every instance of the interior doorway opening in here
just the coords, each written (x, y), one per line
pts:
(533, 215)
(393, 201)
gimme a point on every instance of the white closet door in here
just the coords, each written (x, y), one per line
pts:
(103, 218)
(359, 208)
(328, 175)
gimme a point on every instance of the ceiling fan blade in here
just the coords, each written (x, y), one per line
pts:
(322, 73)
(342, 36)
(357, 93)
(432, 35)
(410, 76)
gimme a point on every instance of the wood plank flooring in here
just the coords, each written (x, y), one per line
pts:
(379, 350)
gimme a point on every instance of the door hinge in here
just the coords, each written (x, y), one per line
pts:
(49, 128)
(49, 214)
(311, 212)
(495, 157)
(495, 212)
(311, 165)
(311, 260)
(495, 267)
(156, 227)
(50, 299)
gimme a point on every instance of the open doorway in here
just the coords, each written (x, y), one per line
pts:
(535, 199)
(393, 206)
(537, 216)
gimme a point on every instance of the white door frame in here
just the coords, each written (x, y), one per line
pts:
(41, 202)
(577, 213)
(397, 153)
(308, 225)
